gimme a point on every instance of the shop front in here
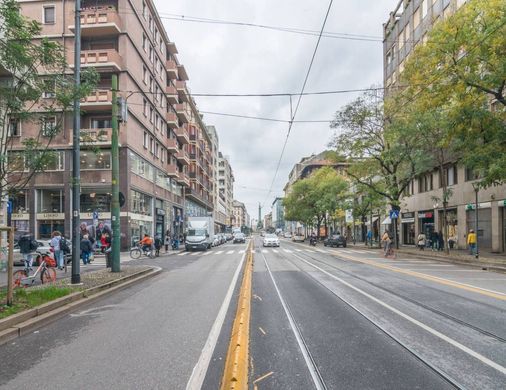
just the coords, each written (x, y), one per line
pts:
(139, 226)
(50, 215)
(426, 222)
(47, 223)
(177, 221)
(408, 228)
(160, 222)
(484, 231)
(452, 222)
(21, 222)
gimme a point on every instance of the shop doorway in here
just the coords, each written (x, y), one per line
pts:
(484, 227)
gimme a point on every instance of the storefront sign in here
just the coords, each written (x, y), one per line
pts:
(90, 216)
(20, 217)
(428, 214)
(483, 205)
(160, 211)
(50, 216)
(410, 214)
(140, 217)
(408, 220)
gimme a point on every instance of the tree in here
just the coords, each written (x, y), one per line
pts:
(34, 84)
(459, 76)
(312, 199)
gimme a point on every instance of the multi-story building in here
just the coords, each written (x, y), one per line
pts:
(268, 221)
(407, 27)
(219, 202)
(278, 214)
(240, 215)
(226, 187)
(125, 38)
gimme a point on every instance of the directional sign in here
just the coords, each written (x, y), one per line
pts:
(95, 215)
(394, 214)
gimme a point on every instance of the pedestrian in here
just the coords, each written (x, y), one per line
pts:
(86, 249)
(434, 239)
(55, 244)
(158, 244)
(421, 241)
(167, 241)
(369, 237)
(441, 244)
(385, 239)
(105, 241)
(471, 241)
(27, 246)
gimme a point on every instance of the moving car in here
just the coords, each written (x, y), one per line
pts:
(239, 238)
(271, 240)
(336, 240)
(298, 237)
(288, 235)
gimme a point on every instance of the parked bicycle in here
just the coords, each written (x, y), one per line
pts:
(137, 252)
(23, 278)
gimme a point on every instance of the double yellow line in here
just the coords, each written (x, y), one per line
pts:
(235, 375)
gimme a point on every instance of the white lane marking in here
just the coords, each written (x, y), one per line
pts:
(219, 252)
(230, 252)
(427, 328)
(194, 253)
(313, 370)
(298, 250)
(207, 253)
(359, 251)
(344, 251)
(310, 251)
(275, 251)
(241, 251)
(287, 250)
(182, 253)
(264, 251)
(199, 371)
(321, 250)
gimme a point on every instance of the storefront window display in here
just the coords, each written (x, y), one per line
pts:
(140, 203)
(451, 217)
(95, 200)
(91, 160)
(50, 201)
(408, 228)
(426, 222)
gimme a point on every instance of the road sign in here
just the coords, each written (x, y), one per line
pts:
(95, 215)
(394, 214)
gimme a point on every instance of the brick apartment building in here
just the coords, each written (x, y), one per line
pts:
(165, 152)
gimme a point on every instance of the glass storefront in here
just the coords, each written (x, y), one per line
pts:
(91, 160)
(138, 229)
(95, 200)
(451, 218)
(426, 222)
(195, 210)
(408, 228)
(50, 201)
(47, 227)
(141, 203)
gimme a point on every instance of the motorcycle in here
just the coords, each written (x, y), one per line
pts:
(312, 241)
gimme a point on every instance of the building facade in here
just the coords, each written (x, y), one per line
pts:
(219, 203)
(240, 215)
(163, 141)
(407, 27)
(278, 214)
(226, 187)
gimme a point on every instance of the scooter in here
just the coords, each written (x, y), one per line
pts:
(312, 241)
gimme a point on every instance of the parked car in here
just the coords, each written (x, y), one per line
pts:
(335, 240)
(239, 238)
(216, 240)
(287, 235)
(298, 237)
(229, 236)
(271, 240)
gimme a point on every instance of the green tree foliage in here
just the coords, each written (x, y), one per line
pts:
(312, 199)
(34, 79)
(381, 155)
(455, 89)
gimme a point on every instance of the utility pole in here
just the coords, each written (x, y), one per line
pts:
(476, 189)
(115, 207)
(76, 153)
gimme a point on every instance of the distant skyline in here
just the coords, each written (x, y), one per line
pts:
(223, 59)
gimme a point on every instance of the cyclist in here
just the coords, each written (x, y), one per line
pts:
(27, 245)
(387, 243)
(146, 243)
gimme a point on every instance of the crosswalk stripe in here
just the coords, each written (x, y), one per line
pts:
(321, 250)
(182, 253)
(359, 251)
(207, 253)
(194, 253)
(287, 250)
(230, 252)
(241, 252)
(298, 250)
(275, 251)
(219, 252)
(264, 250)
(310, 251)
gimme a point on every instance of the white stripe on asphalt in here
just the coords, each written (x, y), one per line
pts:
(207, 253)
(230, 252)
(199, 371)
(275, 250)
(241, 251)
(287, 250)
(219, 252)
(310, 251)
(194, 253)
(182, 253)
(264, 250)
(298, 250)
(427, 328)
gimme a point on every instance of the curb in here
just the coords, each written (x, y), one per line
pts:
(25, 322)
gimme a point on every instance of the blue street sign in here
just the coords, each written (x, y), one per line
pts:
(95, 215)
(394, 214)
(9, 207)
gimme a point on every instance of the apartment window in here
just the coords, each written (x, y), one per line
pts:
(163, 155)
(401, 40)
(54, 161)
(157, 122)
(416, 18)
(471, 175)
(140, 203)
(48, 126)
(14, 128)
(150, 84)
(145, 140)
(157, 150)
(425, 8)
(151, 54)
(450, 174)
(145, 107)
(15, 161)
(389, 58)
(49, 89)
(150, 23)
(101, 123)
(151, 114)
(49, 14)
(144, 74)
(144, 10)
(161, 45)
(144, 42)
(425, 183)
(91, 160)
(156, 34)
(151, 145)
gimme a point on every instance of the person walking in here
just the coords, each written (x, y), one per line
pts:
(434, 239)
(27, 246)
(421, 241)
(441, 244)
(385, 239)
(158, 244)
(167, 241)
(369, 237)
(55, 244)
(86, 249)
(471, 242)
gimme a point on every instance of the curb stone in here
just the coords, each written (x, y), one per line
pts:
(11, 328)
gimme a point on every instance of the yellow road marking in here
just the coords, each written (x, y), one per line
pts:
(446, 282)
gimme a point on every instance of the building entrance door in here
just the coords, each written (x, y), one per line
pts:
(484, 232)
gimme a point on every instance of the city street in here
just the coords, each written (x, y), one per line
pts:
(321, 318)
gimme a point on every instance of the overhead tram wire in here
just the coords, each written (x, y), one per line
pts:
(298, 101)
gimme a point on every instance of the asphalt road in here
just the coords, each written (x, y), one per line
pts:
(150, 336)
(349, 319)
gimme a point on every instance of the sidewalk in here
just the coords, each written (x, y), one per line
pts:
(491, 261)
(98, 263)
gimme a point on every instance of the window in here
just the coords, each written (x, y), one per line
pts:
(144, 10)
(141, 167)
(144, 74)
(471, 174)
(144, 42)
(140, 203)
(145, 140)
(425, 183)
(449, 175)
(145, 107)
(151, 145)
(48, 126)
(15, 161)
(157, 122)
(53, 161)
(49, 14)
(157, 150)
(150, 23)
(425, 8)
(96, 160)
(101, 123)
(416, 18)
(50, 201)
(151, 54)
(163, 155)
(95, 200)
(151, 84)
(161, 45)
(49, 89)
(401, 40)
(14, 128)
(151, 114)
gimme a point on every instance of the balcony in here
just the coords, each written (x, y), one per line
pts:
(183, 113)
(100, 100)
(96, 136)
(181, 70)
(172, 171)
(107, 60)
(182, 157)
(171, 68)
(182, 135)
(172, 94)
(182, 91)
(99, 22)
(172, 120)
(183, 179)
(172, 145)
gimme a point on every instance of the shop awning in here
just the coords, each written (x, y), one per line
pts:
(386, 221)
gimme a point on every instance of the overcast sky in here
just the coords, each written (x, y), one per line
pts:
(238, 59)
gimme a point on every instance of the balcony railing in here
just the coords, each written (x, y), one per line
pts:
(99, 99)
(172, 145)
(182, 157)
(182, 90)
(172, 170)
(182, 135)
(96, 136)
(172, 94)
(171, 67)
(109, 58)
(183, 112)
(99, 22)
(172, 120)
